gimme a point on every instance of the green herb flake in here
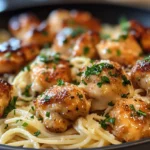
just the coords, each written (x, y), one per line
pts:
(132, 107)
(124, 95)
(80, 95)
(112, 74)
(109, 51)
(25, 124)
(141, 113)
(124, 24)
(46, 98)
(125, 81)
(47, 114)
(84, 82)
(77, 31)
(32, 117)
(86, 50)
(79, 74)
(6, 126)
(11, 106)
(60, 82)
(111, 103)
(27, 90)
(65, 41)
(96, 69)
(37, 133)
(26, 68)
(118, 52)
(75, 82)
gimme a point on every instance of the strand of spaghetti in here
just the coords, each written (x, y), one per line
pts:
(78, 145)
(8, 134)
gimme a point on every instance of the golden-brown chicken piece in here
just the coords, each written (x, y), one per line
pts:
(13, 55)
(142, 34)
(5, 95)
(140, 74)
(59, 19)
(48, 70)
(105, 82)
(132, 119)
(61, 105)
(126, 52)
(39, 35)
(21, 24)
(76, 42)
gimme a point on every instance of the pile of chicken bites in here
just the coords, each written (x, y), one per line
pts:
(118, 65)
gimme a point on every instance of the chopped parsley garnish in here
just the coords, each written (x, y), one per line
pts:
(47, 45)
(124, 95)
(147, 59)
(18, 120)
(27, 91)
(104, 80)
(125, 81)
(80, 95)
(112, 74)
(25, 124)
(11, 106)
(84, 82)
(46, 98)
(96, 69)
(79, 74)
(32, 107)
(6, 126)
(47, 114)
(139, 112)
(65, 41)
(118, 52)
(26, 68)
(47, 59)
(124, 24)
(111, 103)
(86, 50)
(60, 82)
(37, 133)
(104, 123)
(75, 82)
(77, 31)
(32, 117)
(104, 36)
(109, 51)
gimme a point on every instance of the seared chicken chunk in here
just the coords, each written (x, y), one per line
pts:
(141, 33)
(21, 24)
(13, 55)
(140, 74)
(126, 52)
(39, 35)
(59, 19)
(48, 70)
(132, 119)
(60, 106)
(5, 95)
(76, 42)
(105, 82)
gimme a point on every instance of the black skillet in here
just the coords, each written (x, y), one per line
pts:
(107, 13)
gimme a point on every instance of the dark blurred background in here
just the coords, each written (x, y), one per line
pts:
(13, 4)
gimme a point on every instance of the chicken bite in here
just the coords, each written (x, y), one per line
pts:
(104, 82)
(60, 106)
(47, 70)
(76, 42)
(132, 119)
(5, 95)
(61, 18)
(125, 52)
(13, 55)
(140, 74)
(21, 24)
